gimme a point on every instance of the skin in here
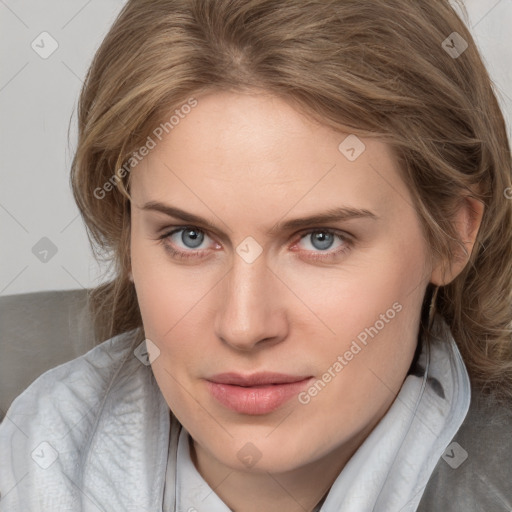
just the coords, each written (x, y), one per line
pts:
(245, 162)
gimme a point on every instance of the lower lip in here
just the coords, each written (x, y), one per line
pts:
(256, 399)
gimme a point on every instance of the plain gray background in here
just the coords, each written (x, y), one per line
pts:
(38, 99)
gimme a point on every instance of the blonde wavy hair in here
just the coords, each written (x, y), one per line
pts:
(379, 67)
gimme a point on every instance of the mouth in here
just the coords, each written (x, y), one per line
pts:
(256, 394)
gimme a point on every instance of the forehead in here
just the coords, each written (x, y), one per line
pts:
(257, 151)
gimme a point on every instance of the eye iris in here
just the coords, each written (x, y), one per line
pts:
(324, 238)
(197, 237)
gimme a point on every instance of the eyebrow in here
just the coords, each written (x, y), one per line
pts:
(331, 215)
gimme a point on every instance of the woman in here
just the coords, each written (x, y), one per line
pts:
(308, 208)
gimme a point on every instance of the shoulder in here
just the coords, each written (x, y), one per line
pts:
(78, 379)
(60, 404)
(475, 472)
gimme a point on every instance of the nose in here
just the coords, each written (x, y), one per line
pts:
(251, 314)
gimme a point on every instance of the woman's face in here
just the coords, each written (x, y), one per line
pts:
(332, 304)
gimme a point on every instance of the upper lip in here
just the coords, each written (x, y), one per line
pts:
(256, 379)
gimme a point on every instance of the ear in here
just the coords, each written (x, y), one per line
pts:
(467, 223)
(130, 277)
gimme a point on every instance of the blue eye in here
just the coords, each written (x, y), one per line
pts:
(324, 240)
(191, 237)
(194, 235)
(321, 239)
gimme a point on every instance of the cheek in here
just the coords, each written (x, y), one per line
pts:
(164, 291)
(375, 319)
(365, 370)
(354, 297)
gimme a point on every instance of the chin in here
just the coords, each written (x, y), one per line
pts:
(265, 456)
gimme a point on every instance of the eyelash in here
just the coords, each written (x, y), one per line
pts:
(183, 255)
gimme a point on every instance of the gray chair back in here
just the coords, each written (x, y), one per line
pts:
(39, 331)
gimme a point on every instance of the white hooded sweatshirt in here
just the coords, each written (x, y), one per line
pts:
(95, 434)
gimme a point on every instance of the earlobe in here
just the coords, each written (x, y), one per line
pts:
(467, 223)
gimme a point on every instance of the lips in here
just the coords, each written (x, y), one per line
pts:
(256, 394)
(256, 379)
